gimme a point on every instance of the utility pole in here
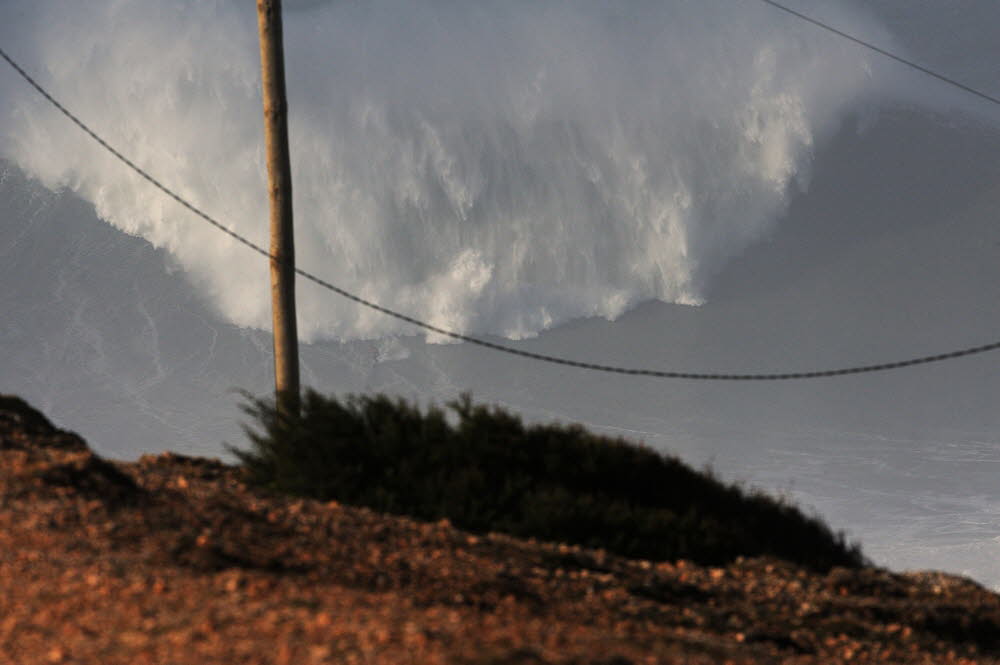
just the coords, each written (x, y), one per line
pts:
(286, 341)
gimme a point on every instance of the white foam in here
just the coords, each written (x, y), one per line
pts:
(490, 167)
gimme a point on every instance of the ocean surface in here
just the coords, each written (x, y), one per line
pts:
(707, 186)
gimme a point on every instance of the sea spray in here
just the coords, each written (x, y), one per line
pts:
(489, 167)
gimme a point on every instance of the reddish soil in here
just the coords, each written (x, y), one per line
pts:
(175, 560)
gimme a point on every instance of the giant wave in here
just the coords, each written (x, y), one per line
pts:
(490, 167)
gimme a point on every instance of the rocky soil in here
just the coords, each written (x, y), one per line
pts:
(176, 560)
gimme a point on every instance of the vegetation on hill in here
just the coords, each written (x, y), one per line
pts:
(485, 470)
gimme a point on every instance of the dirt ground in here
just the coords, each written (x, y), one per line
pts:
(175, 560)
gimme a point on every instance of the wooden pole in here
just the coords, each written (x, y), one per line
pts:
(286, 342)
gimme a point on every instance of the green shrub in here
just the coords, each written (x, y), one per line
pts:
(490, 472)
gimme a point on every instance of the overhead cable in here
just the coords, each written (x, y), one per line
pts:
(881, 51)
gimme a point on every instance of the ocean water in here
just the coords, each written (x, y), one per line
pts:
(699, 186)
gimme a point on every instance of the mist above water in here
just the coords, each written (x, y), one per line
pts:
(490, 167)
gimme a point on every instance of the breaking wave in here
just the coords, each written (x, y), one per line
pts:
(490, 167)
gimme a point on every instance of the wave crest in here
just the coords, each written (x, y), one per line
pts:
(490, 167)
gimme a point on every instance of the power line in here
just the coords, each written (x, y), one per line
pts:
(612, 369)
(883, 52)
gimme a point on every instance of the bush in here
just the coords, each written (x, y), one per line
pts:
(490, 472)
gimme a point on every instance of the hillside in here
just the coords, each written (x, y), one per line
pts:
(176, 559)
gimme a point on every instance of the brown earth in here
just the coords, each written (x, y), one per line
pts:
(175, 560)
